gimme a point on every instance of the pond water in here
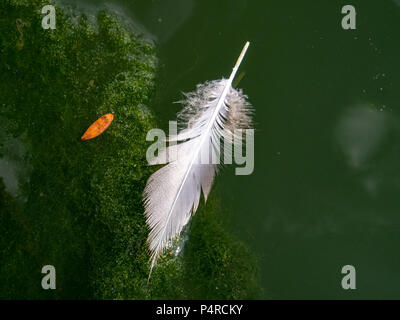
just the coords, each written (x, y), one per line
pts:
(325, 189)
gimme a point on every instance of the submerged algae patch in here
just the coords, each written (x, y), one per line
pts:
(50, 89)
(82, 202)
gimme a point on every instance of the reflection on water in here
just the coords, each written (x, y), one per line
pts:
(365, 134)
(360, 132)
(9, 175)
(156, 20)
(13, 168)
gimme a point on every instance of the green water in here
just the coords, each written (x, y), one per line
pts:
(325, 189)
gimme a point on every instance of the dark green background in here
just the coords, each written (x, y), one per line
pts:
(326, 185)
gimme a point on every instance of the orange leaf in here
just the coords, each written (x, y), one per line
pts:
(98, 127)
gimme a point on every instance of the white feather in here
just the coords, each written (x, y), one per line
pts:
(172, 193)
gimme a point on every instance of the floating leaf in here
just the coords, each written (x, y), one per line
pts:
(98, 127)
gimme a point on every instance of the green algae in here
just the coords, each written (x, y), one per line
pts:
(80, 207)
